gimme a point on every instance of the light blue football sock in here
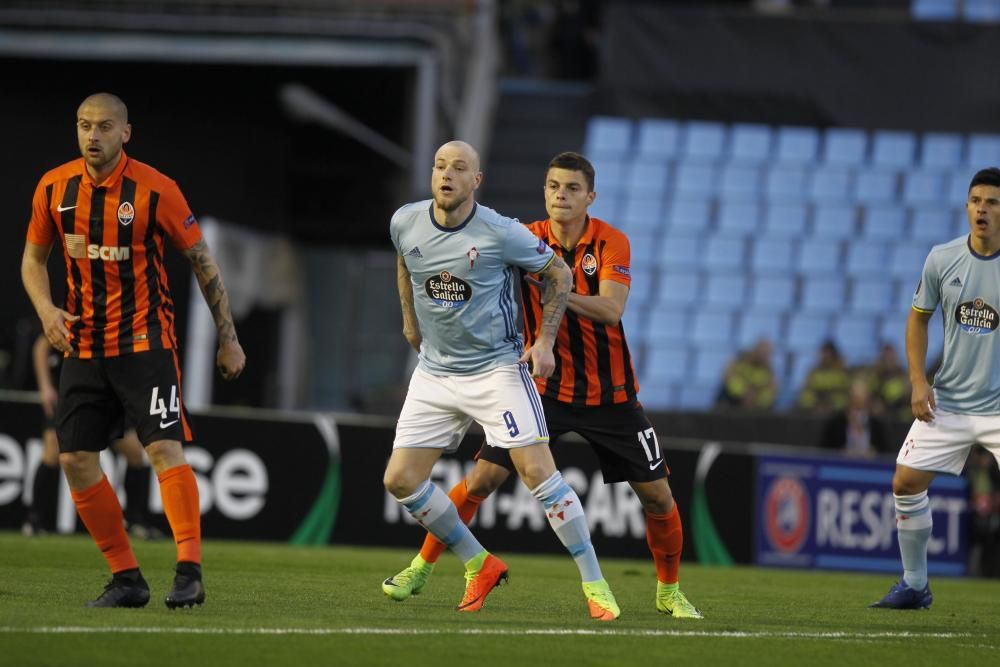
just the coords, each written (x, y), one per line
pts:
(565, 513)
(432, 508)
(913, 524)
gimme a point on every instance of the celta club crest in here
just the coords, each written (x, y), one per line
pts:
(473, 255)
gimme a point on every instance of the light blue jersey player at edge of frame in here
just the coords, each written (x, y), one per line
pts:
(456, 276)
(963, 407)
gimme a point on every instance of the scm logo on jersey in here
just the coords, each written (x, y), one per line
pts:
(976, 317)
(447, 290)
(109, 253)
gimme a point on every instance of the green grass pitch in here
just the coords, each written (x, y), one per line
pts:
(273, 604)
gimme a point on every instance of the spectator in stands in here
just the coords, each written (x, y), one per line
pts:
(984, 536)
(857, 429)
(826, 387)
(749, 381)
(889, 385)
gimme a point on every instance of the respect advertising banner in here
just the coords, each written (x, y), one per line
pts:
(839, 514)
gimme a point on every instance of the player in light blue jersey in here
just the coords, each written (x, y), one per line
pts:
(457, 275)
(963, 407)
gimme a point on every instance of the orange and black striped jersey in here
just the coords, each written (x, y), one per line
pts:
(593, 364)
(112, 236)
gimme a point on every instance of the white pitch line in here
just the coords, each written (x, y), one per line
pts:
(726, 634)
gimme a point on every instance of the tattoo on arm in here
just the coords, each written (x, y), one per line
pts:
(411, 327)
(210, 281)
(555, 297)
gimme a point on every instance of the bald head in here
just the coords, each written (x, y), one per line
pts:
(109, 103)
(460, 149)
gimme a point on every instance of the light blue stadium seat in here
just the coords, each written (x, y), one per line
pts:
(834, 221)
(740, 180)
(712, 328)
(961, 222)
(906, 260)
(697, 397)
(703, 140)
(786, 219)
(817, 257)
(607, 206)
(924, 187)
(634, 321)
(865, 258)
(647, 178)
(774, 294)
(802, 362)
(642, 212)
(770, 255)
(806, 331)
(957, 191)
(750, 143)
(608, 136)
(932, 224)
(667, 327)
(611, 175)
(830, 184)
(658, 138)
(857, 338)
(845, 146)
(942, 150)
(892, 329)
(726, 289)
(822, 294)
(677, 287)
(695, 179)
(709, 366)
(934, 10)
(797, 145)
(725, 254)
(981, 11)
(786, 183)
(755, 325)
(739, 218)
(887, 223)
(691, 215)
(905, 289)
(657, 395)
(875, 186)
(680, 250)
(665, 364)
(645, 259)
(894, 149)
(642, 291)
(984, 151)
(872, 295)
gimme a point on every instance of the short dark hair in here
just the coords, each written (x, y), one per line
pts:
(574, 162)
(990, 176)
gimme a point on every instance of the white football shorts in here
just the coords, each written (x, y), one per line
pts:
(944, 444)
(439, 409)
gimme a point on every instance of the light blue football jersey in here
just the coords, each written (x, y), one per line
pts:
(465, 282)
(967, 287)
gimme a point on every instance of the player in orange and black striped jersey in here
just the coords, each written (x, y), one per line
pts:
(593, 391)
(110, 214)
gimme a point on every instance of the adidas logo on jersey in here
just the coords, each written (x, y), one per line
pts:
(956, 282)
(415, 253)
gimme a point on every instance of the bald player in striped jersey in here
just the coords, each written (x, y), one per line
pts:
(457, 275)
(963, 407)
(110, 215)
(592, 390)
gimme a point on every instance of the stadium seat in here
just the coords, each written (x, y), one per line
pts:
(738, 218)
(724, 254)
(923, 187)
(906, 260)
(667, 326)
(658, 138)
(872, 295)
(750, 144)
(785, 219)
(830, 184)
(680, 250)
(647, 178)
(905, 289)
(934, 10)
(725, 289)
(817, 257)
(834, 221)
(703, 140)
(642, 291)
(865, 258)
(608, 136)
(806, 331)
(857, 338)
(785, 183)
(892, 329)
(886, 223)
(845, 146)
(796, 145)
(981, 11)
(712, 328)
(932, 224)
(709, 365)
(644, 249)
(893, 148)
(769, 255)
(678, 288)
(802, 362)
(822, 295)
(774, 294)
(695, 180)
(697, 397)
(691, 215)
(642, 212)
(607, 206)
(740, 180)
(665, 364)
(941, 150)
(754, 326)
(984, 151)
(957, 191)
(657, 395)
(875, 186)
(961, 224)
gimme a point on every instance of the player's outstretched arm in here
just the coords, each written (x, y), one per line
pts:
(230, 358)
(556, 284)
(922, 398)
(35, 276)
(411, 327)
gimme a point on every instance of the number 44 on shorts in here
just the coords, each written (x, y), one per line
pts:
(157, 406)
